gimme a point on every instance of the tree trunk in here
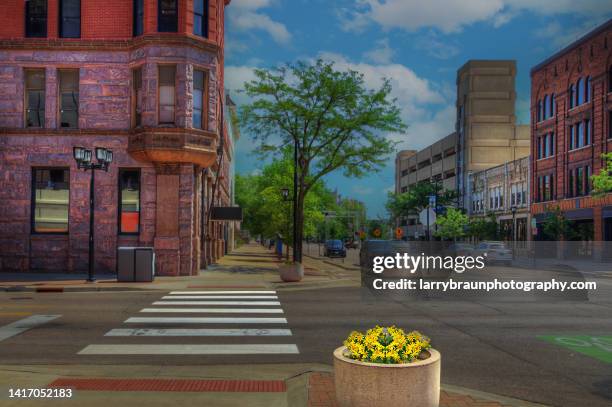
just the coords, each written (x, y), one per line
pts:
(300, 224)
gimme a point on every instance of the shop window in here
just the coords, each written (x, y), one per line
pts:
(35, 97)
(50, 200)
(69, 98)
(129, 201)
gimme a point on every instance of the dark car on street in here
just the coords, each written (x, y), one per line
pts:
(334, 248)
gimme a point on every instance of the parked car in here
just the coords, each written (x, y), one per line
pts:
(334, 248)
(495, 252)
(461, 249)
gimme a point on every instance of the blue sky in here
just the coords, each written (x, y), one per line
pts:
(419, 45)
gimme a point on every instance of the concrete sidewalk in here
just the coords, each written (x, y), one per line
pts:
(250, 266)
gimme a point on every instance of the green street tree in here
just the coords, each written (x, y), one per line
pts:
(451, 225)
(602, 182)
(332, 120)
(266, 213)
(556, 226)
(484, 228)
(417, 199)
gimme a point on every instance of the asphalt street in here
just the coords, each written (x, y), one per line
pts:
(515, 345)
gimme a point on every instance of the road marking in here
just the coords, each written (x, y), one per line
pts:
(221, 292)
(249, 349)
(217, 310)
(23, 325)
(596, 346)
(220, 297)
(204, 320)
(258, 303)
(198, 332)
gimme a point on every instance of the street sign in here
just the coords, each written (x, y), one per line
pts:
(432, 200)
(423, 216)
(399, 232)
(377, 232)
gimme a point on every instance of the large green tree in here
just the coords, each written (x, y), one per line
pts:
(602, 182)
(329, 116)
(417, 199)
(452, 224)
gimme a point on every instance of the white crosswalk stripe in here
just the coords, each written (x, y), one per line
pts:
(220, 297)
(199, 332)
(249, 303)
(234, 303)
(216, 310)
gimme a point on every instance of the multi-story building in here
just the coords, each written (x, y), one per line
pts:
(486, 135)
(503, 191)
(142, 78)
(571, 115)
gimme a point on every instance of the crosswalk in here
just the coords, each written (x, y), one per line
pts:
(202, 320)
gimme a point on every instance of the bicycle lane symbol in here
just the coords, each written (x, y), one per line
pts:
(598, 347)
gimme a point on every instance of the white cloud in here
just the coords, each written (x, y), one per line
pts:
(246, 16)
(235, 77)
(382, 53)
(437, 48)
(451, 16)
(425, 106)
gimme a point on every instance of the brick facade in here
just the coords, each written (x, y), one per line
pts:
(589, 57)
(177, 163)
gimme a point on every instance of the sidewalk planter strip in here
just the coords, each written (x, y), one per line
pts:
(364, 384)
(291, 273)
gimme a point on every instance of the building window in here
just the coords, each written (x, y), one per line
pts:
(36, 18)
(551, 140)
(545, 188)
(129, 201)
(70, 18)
(579, 181)
(587, 89)
(580, 92)
(572, 95)
(547, 112)
(200, 18)
(167, 16)
(587, 132)
(35, 97)
(167, 75)
(69, 98)
(199, 97)
(138, 26)
(587, 180)
(137, 97)
(570, 183)
(50, 200)
(553, 108)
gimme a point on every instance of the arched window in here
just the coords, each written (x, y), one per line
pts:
(580, 90)
(572, 95)
(587, 89)
(546, 107)
(552, 105)
(538, 108)
(610, 79)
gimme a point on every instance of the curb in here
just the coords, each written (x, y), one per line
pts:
(61, 289)
(331, 263)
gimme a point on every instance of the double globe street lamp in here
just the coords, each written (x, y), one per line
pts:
(83, 158)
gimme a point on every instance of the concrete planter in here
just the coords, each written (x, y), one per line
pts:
(362, 384)
(291, 273)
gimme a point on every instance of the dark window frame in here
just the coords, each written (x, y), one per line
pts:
(203, 16)
(167, 23)
(159, 105)
(137, 18)
(26, 104)
(33, 230)
(60, 107)
(120, 203)
(29, 33)
(204, 90)
(62, 20)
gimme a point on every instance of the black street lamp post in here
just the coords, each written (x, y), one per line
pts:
(513, 209)
(83, 159)
(285, 195)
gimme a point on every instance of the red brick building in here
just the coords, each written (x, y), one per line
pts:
(571, 114)
(143, 78)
